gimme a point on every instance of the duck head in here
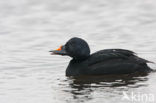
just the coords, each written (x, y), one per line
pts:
(76, 48)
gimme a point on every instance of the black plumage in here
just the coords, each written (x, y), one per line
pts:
(103, 62)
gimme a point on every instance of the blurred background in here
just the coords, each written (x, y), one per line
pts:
(30, 28)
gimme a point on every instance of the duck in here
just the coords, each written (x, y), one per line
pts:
(103, 62)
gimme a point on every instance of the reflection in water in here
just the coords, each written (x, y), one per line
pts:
(83, 87)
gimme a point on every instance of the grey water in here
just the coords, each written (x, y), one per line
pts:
(30, 28)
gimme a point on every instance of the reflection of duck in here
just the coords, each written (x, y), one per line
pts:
(110, 80)
(83, 87)
(109, 61)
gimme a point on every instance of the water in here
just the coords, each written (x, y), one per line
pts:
(30, 28)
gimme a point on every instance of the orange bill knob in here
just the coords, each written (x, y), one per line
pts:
(60, 48)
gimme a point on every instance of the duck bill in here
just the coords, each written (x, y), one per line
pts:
(60, 51)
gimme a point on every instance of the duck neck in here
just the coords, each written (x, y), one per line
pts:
(79, 59)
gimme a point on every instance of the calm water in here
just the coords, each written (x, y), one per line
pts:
(30, 28)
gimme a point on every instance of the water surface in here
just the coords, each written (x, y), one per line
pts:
(30, 28)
